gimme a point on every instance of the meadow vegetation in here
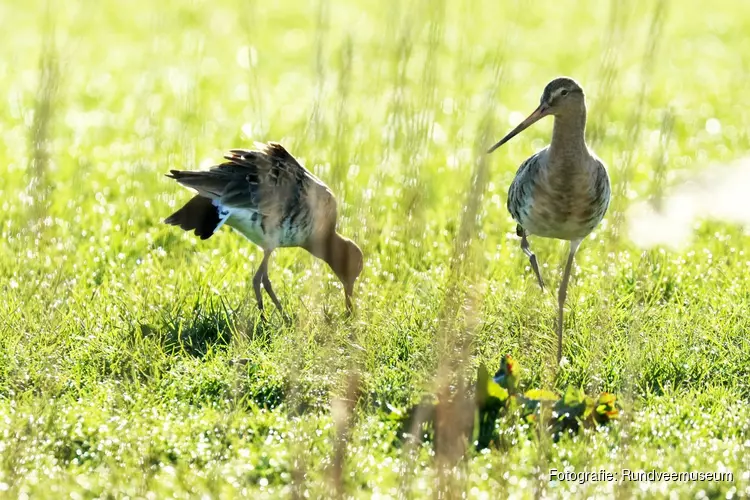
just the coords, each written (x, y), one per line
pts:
(132, 359)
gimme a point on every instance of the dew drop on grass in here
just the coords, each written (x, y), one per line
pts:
(713, 126)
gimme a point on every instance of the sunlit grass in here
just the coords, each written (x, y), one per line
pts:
(118, 333)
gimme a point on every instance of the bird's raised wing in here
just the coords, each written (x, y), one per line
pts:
(267, 180)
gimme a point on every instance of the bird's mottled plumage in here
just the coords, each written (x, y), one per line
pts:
(266, 195)
(567, 206)
(563, 191)
(272, 200)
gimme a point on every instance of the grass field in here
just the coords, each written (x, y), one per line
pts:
(117, 332)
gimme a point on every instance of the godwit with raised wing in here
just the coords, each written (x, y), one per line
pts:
(563, 190)
(272, 200)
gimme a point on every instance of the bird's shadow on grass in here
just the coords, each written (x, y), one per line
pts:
(208, 325)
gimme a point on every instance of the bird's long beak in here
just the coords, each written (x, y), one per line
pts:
(349, 291)
(540, 112)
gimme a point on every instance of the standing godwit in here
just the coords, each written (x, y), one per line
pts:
(563, 190)
(272, 200)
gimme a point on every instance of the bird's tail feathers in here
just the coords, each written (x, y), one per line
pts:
(199, 214)
(206, 183)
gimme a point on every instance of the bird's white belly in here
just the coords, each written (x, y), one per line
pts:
(248, 224)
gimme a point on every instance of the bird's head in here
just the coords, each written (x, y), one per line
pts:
(562, 95)
(346, 261)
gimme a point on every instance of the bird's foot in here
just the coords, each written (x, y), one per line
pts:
(285, 317)
(535, 268)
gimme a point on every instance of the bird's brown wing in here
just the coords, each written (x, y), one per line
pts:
(284, 187)
(268, 180)
(520, 190)
(601, 192)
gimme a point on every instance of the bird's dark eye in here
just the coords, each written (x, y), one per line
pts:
(564, 92)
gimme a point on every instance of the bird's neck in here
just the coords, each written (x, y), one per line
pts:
(327, 247)
(568, 134)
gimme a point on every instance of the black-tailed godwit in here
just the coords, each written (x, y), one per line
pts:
(272, 200)
(563, 190)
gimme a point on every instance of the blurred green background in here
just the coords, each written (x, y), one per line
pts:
(117, 332)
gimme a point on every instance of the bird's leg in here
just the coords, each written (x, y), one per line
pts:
(274, 299)
(257, 280)
(563, 293)
(532, 258)
(267, 284)
(261, 277)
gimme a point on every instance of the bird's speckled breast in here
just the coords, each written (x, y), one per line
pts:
(562, 201)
